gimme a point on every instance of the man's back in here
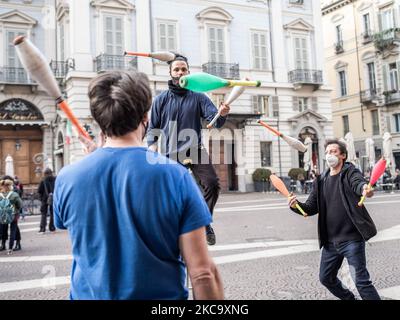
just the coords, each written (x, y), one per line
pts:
(125, 216)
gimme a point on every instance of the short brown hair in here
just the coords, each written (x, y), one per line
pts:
(119, 101)
(342, 146)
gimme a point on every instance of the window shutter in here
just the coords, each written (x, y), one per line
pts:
(275, 106)
(295, 104)
(314, 104)
(389, 124)
(255, 104)
(108, 41)
(119, 45)
(385, 74)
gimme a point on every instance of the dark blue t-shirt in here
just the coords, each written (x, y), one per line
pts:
(124, 216)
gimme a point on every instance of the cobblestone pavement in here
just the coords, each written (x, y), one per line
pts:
(263, 252)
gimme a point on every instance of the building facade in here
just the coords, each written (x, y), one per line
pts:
(362, 64)
(277, 42)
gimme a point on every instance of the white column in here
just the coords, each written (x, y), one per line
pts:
(278, 44)
(143, 35)
(80, 31)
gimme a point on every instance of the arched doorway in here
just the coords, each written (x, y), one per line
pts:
(21, 137)
(310, 132)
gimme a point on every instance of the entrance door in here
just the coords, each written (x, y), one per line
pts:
(225, 165)
(22, 145)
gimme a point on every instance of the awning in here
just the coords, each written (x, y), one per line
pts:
(24, 123)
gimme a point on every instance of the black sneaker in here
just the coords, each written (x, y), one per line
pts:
(210, 234)
(17, 246)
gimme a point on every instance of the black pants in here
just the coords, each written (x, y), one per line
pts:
(14, 233)
(331, 261)
(44, 210)
(206, 177)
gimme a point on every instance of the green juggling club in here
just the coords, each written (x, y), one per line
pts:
(202, 82)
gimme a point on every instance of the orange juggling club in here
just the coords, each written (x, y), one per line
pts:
(294, 143)
(280, 186)
(376, 173)
(35, 63)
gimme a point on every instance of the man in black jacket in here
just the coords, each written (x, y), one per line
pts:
(176, 116)
(45, 190)
(343, 227)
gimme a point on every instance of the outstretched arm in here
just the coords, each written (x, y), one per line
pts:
(311, 204)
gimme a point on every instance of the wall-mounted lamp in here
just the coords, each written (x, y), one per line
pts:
(17, 145)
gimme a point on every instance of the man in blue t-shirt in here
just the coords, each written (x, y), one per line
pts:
(132, 223)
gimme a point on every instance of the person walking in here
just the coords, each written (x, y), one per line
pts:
(343, 227)
(133, 236)
(45, 190)
(10, 205)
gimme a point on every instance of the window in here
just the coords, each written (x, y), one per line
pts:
(217, 99)
(216, 44)
(303, 104)
(366, 24)
(346, 125)
(265, 154)
(114, 41)
(397, 121)
(371, 76)
(375, 122)
(342, 83)
(386, 20)
(261, 105)
(11, 54)
(167, 36)
(301, 53)
(393, 77)
(339, 36)
(259, 45)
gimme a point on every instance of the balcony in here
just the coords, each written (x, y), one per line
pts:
(339, 47)
(367, 37)
(391, 97)
(369, 96)
(222, 70)
(11, 75)
(107, 62)
(301, 77)
(387, 39)
(61, 68)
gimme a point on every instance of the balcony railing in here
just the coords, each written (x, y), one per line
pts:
(14, 76)
(304, 76)
(369, 95)
(222, 70)
(367, 36)
(61, 68)
(392, 97)
(339, 47)
(107, 62)
(386, 39)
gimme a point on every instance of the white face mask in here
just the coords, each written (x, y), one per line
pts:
(332, 160)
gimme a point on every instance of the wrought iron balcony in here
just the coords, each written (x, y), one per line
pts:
(61, 68)
(369, 95)
(222, 70)
(367, 36)
(392, 97)
(304, 76)
(339, 47)
(386, 39)
(11, 75)
(107, 62)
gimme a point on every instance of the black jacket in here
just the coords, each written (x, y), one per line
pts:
(351, 187)
(45, 190)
